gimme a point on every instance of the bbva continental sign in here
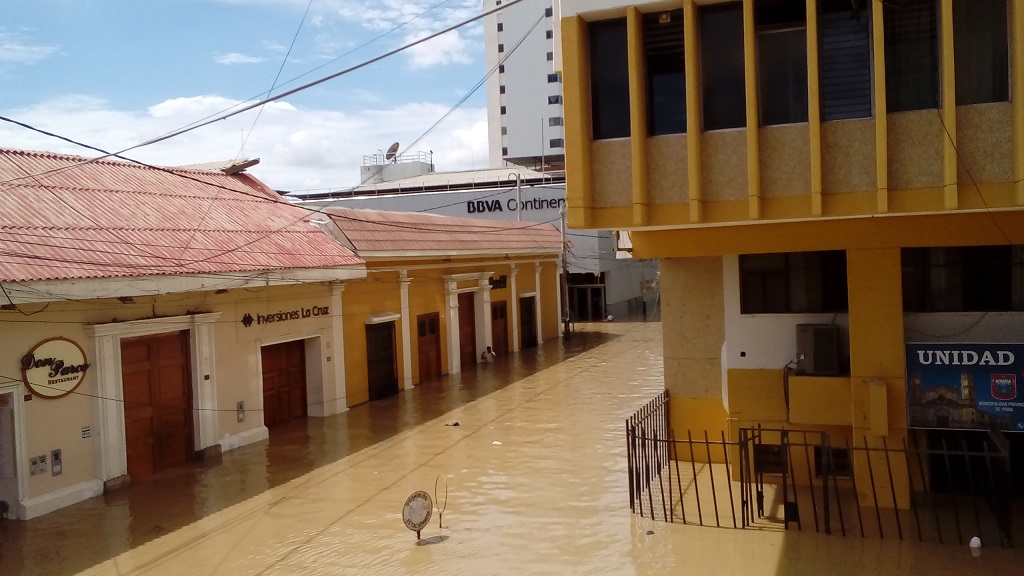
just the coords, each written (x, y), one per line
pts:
(53, 368)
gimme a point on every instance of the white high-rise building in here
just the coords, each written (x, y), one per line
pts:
(524, 96)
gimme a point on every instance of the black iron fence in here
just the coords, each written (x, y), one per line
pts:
(946, 491)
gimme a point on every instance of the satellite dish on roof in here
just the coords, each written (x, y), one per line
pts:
(392, 152)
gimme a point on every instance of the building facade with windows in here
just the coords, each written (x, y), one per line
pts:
(524, 90)
(153, 316)
(600, 283)
(835, 191)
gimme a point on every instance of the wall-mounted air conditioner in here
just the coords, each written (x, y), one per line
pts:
(817, 349)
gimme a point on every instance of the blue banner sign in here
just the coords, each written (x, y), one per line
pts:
(968, 386)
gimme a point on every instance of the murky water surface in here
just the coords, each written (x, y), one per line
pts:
(536, 485)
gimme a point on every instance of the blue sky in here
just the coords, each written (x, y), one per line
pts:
(113, 73)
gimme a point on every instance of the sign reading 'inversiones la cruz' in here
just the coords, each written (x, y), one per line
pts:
(54, 368)
(285, 315)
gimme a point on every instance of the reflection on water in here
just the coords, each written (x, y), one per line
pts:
(536, 485)
(75, 538)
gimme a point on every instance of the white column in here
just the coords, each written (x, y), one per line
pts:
(113, 457)
(452, 300)
(335, 400)
(514, 297)
(204, 378)
(485, 334)
(558, 291)
(403, 283)
(540, 327)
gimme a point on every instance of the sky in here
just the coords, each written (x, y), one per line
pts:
(115, 73)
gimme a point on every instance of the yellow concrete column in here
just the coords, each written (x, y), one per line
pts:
(578, 130)
(881, 121)
(753, 118)
(948, 103)
(693, 111)
(637, 113)
(693, 313)
(1017, 83)
(814, 105)
(878, 370)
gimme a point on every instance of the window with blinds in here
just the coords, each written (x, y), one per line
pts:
(609, 79)
(844, 58)
(911, 55)
(666, 72)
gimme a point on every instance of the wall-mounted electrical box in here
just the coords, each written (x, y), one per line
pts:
(240, 410)
(57, 462)
(817, 349)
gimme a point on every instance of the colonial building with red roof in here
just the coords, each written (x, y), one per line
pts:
(150, 316)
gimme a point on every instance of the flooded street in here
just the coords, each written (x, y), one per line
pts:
(536, 485)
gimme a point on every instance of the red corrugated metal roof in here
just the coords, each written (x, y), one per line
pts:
(373, 232)
(112, 219)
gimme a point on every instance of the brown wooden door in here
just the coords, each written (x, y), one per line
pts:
(467, 328)
(428, 329)
(528, 322)
(156, 376)
(382, 369)
(499, 327)
(284, 382)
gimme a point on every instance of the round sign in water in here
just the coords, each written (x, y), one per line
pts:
(54, 368)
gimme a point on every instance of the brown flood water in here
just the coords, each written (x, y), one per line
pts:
(536, 485)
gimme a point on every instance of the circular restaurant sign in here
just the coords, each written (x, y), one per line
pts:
(54, 367)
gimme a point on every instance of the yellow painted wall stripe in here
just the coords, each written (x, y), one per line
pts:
(814, 105)
(637, 113)
(753, 124)
(881, 123)
(576, 91)
(948, 112)
(1017, 62)
(693, 109)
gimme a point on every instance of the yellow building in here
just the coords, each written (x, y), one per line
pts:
(857, 166)
(152, 316)
(441, 291)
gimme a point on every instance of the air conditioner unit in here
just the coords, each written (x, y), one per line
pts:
(817, 349)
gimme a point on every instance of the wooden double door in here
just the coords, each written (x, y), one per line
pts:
(428, 342)
(157, 384)
(284, 382)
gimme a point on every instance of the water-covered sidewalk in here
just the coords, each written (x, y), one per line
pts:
(536, 485)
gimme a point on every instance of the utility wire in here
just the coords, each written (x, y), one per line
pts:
(274, 98)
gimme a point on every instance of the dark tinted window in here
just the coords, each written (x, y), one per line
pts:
(793, 282)
(782, 61)
(963, 279)
(666, 73)
(981, 51)
(609, 79)
(721, 48)
(911, 55)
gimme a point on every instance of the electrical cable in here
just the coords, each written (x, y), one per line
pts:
(308, 85)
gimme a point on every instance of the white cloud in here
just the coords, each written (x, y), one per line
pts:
(16, 49)
(445, 49)
(298, 148)
(231, 58)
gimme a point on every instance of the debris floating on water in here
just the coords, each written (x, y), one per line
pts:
(650, 532)
(496, 443)
(453, 424)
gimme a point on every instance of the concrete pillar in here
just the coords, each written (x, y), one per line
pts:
(335, 402)
(452, 312)
(560, 293)
(878, 370)
(514, 297)
(693, 327)
(484, 333)
(403, 283)
(540, 317)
